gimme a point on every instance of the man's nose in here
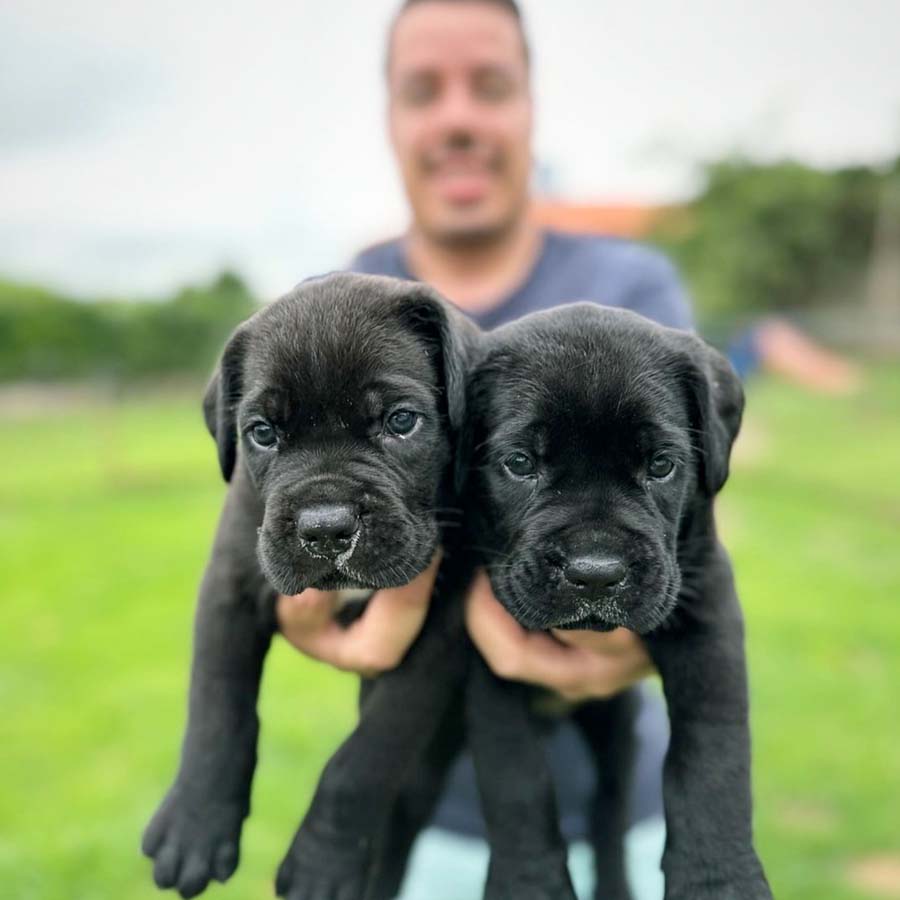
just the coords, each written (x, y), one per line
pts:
(457, 110)
(328, 529)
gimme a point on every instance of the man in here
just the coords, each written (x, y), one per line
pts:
(460, 116)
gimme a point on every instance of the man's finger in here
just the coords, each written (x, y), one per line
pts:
(376, 641)
(498, 636)
(577, 669)
(614, 643)
(308, 610)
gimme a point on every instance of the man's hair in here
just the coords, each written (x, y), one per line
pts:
(511, 6)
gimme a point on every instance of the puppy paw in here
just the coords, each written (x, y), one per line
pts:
(754, 888)
(317, 868)
(529, 878)
(192, 842)
(604, 891)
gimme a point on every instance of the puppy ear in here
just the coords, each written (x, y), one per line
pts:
(452, 341)
(717, 398)
(222, 397)
(449, 336)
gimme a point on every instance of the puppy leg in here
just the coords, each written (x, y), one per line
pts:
(416, 803)
(709, 851)
(332, 853)
(608, 728)
(528, 854)
(195, 833)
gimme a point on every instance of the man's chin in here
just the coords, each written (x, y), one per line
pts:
(470, 228)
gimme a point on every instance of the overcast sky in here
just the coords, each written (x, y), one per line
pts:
(147, 144)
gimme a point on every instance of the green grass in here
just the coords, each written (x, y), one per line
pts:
(106, 513)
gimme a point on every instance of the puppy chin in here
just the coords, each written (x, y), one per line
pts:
(285, 575)
(623, 609)
(589, 616)
(588, 623)
(291, 573)
(647, 615)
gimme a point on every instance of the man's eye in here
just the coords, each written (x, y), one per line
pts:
(419, 90)
(519, 465)
(401, 422)
(493, 86)
(263, 434)
(661, 466)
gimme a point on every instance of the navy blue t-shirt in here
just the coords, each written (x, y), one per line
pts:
(571, 267)
(611, 272)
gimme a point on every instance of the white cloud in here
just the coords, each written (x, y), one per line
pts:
(159, 141)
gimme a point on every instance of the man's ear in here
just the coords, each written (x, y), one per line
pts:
(223, 394)
(717, 400)
(452, 340)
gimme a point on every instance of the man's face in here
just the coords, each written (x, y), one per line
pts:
(460, 117)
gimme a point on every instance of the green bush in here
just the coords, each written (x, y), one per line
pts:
(48, 337)
(765, 238)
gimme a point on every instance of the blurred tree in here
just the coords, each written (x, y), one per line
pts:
(763, 238)
(44, 336)
(883, 288)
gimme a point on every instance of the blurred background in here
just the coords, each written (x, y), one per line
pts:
(167, 167)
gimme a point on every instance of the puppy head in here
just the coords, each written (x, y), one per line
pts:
(342, 399)
(596, 432)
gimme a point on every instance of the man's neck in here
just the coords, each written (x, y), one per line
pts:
(475, 277)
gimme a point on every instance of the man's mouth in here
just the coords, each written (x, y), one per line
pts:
(462, 177)
(462, 185)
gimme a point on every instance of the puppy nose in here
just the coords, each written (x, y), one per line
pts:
(328, 529)
(595, 572)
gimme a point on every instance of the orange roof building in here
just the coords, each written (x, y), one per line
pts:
(617, 219)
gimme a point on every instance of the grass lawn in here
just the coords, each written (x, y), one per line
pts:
(106, 513)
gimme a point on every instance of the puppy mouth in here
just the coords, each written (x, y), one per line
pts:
(290, 569)
(623, 607)
(341, 581)
(587, 620)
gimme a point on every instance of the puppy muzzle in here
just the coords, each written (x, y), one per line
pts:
(588, 590)
(339, 544)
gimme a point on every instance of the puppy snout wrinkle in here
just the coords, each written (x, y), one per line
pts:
(328, 529)
(595, 572)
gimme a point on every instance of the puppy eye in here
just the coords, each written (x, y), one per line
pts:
(401, 422)
(263, 434)
(519, 465)
(661, 466)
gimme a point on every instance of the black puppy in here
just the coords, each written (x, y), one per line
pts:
(600, 442)
(335, 411)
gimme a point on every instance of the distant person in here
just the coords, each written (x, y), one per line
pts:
(460, 117)
(776, 346)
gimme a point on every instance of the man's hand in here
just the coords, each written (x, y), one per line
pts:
(376, 641)
(579, 665)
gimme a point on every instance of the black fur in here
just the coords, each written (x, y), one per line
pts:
(324, 368)
(591, 397)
